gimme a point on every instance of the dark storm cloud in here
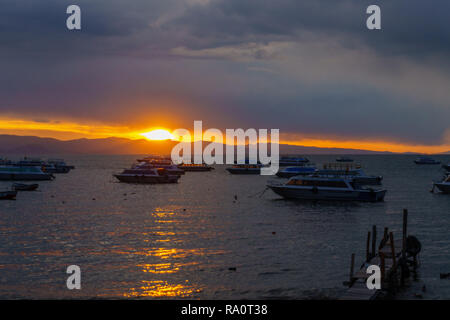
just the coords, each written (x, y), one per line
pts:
(413, 27)
(307, 67)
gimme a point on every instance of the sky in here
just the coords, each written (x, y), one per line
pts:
(309, 68)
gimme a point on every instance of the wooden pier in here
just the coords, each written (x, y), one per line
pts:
(396, 258)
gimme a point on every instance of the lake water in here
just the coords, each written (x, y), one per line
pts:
(179, 240)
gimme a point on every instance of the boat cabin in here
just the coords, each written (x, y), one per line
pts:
(328, 183)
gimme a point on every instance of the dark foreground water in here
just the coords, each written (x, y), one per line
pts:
(179, 240)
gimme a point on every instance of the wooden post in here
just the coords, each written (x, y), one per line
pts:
(391, 236)
(384, 239)
(374, 240)
(405, 234)
(382, 267)
(352, 268)
(368, 247)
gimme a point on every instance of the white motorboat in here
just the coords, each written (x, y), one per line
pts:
(443, 186)
(23, 173)
(245, 169)
(149, 176)
(324, 188)
(169, 167)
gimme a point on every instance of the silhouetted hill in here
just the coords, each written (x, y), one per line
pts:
(30, 145)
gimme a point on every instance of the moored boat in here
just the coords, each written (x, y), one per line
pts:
(245, 169)
(8, 195)
(51, 166)
(344, 159)
(292, 161)
(443, 186)
(24, 187)
(23, 173)
(426, 160)
(147, 176)
(446, 166)
(195, 167)
(323, 188)
(348, 170)
(170, 168)
(156, 159)
(60, 165)
(289, 172)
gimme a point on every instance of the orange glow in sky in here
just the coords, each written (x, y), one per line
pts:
(67, 130)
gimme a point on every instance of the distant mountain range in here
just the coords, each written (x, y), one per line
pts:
(30, 145)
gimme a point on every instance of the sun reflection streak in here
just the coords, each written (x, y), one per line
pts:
(160, 288)
(170, 258)
(165, 267)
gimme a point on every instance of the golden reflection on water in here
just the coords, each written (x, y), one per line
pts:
(169, 255)
(160, 288)
(163, 213)
(165, 267)
(172, 253)
(164, 218)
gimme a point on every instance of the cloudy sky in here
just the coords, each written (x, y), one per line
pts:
(310, 68)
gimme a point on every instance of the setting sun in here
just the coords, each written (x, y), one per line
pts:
(159, 134)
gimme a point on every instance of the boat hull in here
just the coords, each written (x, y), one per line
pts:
(25, 176)
(147, 179)
(446, 167)
(292, 163)
(328, 194)
(8, 195)
(443, 187)
(25, 187)
(196, 169)
(244, 170)
(177, 172)
(368, 180)
(427, 162)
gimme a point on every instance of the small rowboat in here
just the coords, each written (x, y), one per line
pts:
(24, 187)
(8, 195)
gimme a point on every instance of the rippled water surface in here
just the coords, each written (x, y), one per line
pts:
(194, 240)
